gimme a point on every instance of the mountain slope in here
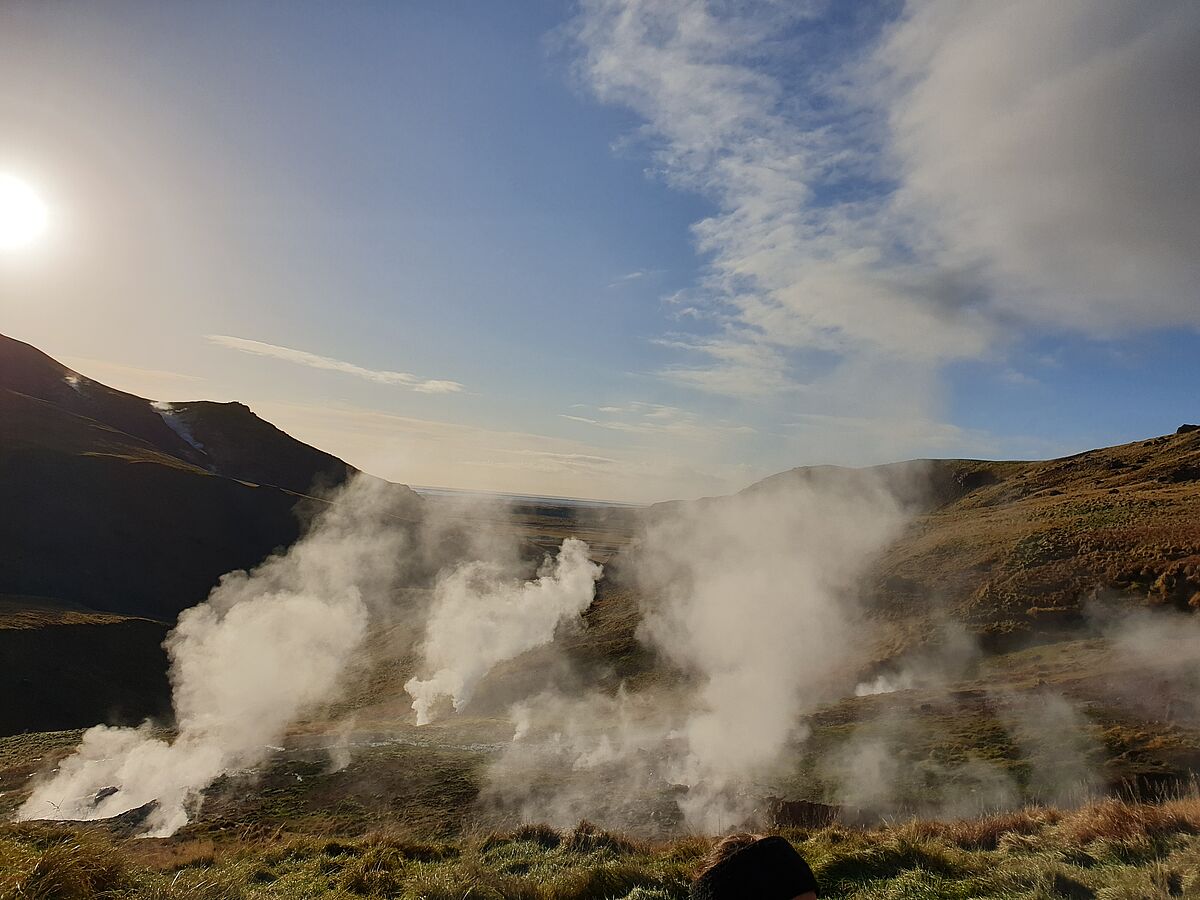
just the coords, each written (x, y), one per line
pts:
(1017, 549)
(116, 514)
(123, 506)
(26, 370)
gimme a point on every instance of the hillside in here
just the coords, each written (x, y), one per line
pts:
(124, 506)
(1015, 550)
(1019, 549)
(1013, 586)
(110, 532)
(114, 505)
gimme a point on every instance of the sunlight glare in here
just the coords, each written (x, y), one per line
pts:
(23, 214)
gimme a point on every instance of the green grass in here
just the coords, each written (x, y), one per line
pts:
(1109, 851)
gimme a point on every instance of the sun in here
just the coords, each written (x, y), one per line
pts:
(23, 215)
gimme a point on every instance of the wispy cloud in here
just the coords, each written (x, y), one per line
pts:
(636, 275)
(736, 365)
(656, 419)
(1016, 377)
(793, 261)
(329, 364)
(976, 172)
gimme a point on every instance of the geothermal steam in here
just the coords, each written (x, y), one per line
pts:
(480, 618)
(264, 649)
(752, 600)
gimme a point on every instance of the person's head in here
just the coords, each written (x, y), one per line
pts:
(746, 866)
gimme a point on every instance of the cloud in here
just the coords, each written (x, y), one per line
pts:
(658, 420)
(635, 275)
(973, 173)
(1017, 377)
(313, 361)
(625, 279)
(1052, 147)
(735, 365)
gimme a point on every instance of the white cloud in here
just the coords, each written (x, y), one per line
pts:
(740, 365)
(1017, 377)
(313, 361)
(1053, 146)
(982, 170)
(628, 277)
(788, 270)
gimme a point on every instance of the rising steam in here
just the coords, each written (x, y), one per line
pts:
(752, 600)
(480, 618)
(265, 649)
(749, 606)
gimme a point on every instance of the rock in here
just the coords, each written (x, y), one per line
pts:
(1185, 429)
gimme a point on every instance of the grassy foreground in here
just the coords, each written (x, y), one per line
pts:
(1109, 851)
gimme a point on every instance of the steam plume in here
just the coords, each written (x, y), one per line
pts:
(479, 619)
(752, 600)
(265, 649)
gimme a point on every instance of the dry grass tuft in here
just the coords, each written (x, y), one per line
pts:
(985, 833)
(1112, 820)
(410, 847)
(542, 835)
(70, 867)
(171, 854)
(587, 838)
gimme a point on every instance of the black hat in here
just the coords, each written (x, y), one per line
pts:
(768, 869)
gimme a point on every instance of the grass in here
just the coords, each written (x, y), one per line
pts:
(1106, 851)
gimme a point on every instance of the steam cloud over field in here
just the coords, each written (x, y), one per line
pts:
(479, 618)
(754, 610)
(266, 648)
(752, 601)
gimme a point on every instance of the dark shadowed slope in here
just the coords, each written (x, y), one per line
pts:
(125, 506)
(116, 514)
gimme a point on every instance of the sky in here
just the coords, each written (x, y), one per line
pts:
(620, 249)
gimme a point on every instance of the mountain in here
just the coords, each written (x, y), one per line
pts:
(118, 513)
(122, 505)
(1014, 550)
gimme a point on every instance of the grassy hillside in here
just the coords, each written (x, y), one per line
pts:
(1017, 550)
(1023, 551)
(1111, 850)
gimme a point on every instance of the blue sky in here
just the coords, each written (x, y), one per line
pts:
(618, 249)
